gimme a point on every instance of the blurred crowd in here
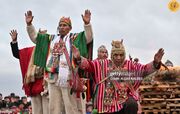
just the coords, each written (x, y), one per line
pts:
(14, 104)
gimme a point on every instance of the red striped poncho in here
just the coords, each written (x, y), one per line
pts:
(100, 68)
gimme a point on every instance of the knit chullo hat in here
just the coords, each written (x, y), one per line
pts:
(66, 20)
(117, 47)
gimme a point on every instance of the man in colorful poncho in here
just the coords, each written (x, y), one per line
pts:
(54, 53)
(33, 89)
(117, 79)
(102, 53)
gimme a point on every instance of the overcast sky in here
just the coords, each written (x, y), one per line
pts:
(145, 26)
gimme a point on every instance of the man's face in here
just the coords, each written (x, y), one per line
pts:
(64, 28)
(119, 57)
(7, 99)
(102, 54)
(24, 99)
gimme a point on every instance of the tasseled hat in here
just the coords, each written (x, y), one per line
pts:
(117, 47)
(66, 20)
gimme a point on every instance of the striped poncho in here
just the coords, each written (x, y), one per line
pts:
(101, 68)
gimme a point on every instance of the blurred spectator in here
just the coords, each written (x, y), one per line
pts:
(7, 101)
(2, 104)
(89, 108)
(12, 94)
(13, 101)
(169, 63)
(25, 102)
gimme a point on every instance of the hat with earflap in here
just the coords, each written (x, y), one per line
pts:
(66, 20)
(117, 47)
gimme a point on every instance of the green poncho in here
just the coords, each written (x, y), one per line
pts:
(43, 43)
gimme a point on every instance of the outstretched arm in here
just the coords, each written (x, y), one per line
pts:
(30, 28)
(14, 44)
(82, 62)
(155, 65)
(87, 26)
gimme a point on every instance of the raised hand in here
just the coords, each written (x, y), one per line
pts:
(29, 17)
(158, 56)
(13, 35)
(86, 17)
(76, 53)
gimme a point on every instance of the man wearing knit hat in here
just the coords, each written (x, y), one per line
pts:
(117, 79)
(53, 53)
